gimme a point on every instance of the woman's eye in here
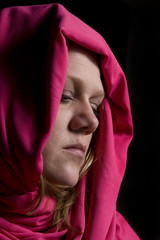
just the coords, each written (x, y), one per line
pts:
(66, 98)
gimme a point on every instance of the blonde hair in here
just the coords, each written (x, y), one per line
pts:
(64, 196)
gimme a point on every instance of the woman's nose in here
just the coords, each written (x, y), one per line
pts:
(84, 120)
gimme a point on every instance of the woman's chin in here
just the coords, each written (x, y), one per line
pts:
(68, 181)
(64, 180)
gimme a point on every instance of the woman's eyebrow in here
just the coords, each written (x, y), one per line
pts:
(100, 94)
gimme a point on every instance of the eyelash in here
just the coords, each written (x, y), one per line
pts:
(67, 99)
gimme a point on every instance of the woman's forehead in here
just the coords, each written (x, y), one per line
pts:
(77, 51)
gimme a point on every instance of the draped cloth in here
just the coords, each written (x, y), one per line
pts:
(33, 66)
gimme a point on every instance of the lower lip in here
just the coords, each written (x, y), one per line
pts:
(76, 151)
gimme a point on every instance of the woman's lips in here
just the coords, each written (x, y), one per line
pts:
(76, 149)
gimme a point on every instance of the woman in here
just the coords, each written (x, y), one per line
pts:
(65, 125)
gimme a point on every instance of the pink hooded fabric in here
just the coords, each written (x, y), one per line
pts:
(33, 66)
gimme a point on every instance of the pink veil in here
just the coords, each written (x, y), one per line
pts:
(33, 65)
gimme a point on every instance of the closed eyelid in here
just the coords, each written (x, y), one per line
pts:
(97, 101)
(94, 105)
(67, 91)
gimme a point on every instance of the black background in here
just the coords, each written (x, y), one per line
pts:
(132, 30)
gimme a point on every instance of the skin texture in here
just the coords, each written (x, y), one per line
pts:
(77, 118)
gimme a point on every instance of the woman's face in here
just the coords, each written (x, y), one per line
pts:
(77, 119)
